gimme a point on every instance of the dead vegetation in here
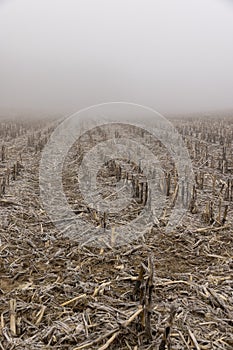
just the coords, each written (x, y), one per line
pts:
(164, 290)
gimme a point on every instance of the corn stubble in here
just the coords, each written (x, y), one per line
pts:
(166, 290)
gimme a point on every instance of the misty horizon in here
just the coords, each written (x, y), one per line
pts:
(58, 57)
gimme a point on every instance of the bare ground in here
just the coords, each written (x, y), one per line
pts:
(56, 294)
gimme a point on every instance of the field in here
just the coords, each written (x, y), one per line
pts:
(160, 290)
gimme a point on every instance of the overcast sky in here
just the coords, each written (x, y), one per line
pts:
(63, 55)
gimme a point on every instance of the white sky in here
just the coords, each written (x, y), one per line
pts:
(62, 55)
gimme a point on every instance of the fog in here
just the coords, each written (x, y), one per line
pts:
(58, 56)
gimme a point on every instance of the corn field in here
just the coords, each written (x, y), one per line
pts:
(163, 290)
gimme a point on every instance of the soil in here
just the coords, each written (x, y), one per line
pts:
(163, 290)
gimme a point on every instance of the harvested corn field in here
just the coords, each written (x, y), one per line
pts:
(160, 289)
